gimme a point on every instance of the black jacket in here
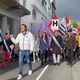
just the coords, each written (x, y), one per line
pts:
(54, 46)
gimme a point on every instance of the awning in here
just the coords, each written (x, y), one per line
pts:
(14, 7)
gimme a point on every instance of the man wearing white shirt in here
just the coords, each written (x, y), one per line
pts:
(25, 40)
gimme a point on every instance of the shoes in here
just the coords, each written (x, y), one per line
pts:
(41, 63)
(19, 77)
(38, 59)
(58, 64)
(30, 72)
(33, 61)
(54, 64)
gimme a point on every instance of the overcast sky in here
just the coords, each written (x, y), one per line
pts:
(68, 7)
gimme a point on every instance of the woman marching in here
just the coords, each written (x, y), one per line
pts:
(36, 48)
(44, 44)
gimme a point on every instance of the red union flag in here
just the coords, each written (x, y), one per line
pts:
(53, 24)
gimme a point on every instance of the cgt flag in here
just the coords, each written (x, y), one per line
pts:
(53, 24)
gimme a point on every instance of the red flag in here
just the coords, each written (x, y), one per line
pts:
(67, 22)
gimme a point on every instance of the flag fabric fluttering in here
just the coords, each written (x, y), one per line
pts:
(62, 27)
(73, 23)
(75, 26)
(67, 22)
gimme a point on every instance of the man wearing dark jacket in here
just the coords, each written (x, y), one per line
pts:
(70, 45)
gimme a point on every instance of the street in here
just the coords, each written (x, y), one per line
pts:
(49, 29)
(46, 72)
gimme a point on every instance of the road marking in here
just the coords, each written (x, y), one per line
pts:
(42, 72)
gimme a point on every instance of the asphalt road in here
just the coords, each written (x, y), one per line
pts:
(46, 72)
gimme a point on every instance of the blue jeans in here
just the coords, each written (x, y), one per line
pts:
(43, 55)
(25, 53)
(69, 53)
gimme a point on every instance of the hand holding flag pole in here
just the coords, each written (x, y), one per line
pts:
(4, 42)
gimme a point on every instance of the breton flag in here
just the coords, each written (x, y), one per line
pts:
(62, 27)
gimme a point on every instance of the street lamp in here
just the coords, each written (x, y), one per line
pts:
(53, 7)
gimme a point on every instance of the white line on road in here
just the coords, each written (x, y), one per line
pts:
(42, 72)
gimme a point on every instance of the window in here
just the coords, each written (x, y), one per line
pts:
(33, 14)
(10, 24)
(24, 2)
(44, 4)
(42, 18)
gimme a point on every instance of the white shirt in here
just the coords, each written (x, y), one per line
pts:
(26, 42)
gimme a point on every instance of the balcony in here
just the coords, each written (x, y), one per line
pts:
(14, 6)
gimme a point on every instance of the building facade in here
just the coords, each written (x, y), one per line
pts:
(15, 12)
(41, 10)
(10, 13)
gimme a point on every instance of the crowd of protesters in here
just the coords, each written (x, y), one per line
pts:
(44, 47)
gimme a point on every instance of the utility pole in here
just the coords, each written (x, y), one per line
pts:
(53, 7)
